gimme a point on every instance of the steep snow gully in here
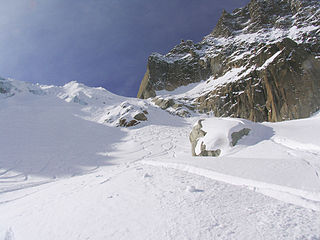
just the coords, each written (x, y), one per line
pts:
(65, 173)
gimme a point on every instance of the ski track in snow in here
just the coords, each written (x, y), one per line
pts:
(219, 210)
(289, 195)
(166, 139)
(77, 179)
(309, 149)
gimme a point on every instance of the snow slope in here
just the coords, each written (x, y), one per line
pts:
(66, 173)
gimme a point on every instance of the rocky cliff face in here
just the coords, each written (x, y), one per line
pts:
(261, 62)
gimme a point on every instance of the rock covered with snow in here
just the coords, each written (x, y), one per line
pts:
(198, 147)
(174, 106)
(126, 114)
(216, 136)
(261, 62)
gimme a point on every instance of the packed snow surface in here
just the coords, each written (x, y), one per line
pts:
(66, 173)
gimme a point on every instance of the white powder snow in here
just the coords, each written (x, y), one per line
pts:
(64, 175)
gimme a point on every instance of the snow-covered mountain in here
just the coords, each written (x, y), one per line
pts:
(99, 105)
(261, 62)
(83, 163)
(68, 172)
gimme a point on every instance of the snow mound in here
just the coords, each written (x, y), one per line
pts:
(81, 94)
(229, 135)
(191, 189)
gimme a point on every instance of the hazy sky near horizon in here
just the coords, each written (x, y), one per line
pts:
(98, 42)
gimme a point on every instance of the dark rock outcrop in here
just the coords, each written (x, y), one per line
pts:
(140, 117)
(287, 88)
(275, 47)
(125, 123)
(236, 136)
(163, 73)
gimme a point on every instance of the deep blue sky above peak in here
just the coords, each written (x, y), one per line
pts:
(98, 42)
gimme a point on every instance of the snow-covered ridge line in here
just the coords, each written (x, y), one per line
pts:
(310, 200)
(297, 31)
(68, 90)
(97, 104)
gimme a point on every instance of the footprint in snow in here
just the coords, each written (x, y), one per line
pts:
(147, 175)
(193, 189)
(9, 235)
(112, 196)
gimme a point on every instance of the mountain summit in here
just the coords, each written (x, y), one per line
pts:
(261, 62)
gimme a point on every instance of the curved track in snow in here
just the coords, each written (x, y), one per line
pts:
(65, 176)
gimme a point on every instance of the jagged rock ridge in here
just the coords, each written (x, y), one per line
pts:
(261, 62)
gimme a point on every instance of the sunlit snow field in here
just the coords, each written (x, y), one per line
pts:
(66, 174)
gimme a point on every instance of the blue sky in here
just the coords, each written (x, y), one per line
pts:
(98, 42)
